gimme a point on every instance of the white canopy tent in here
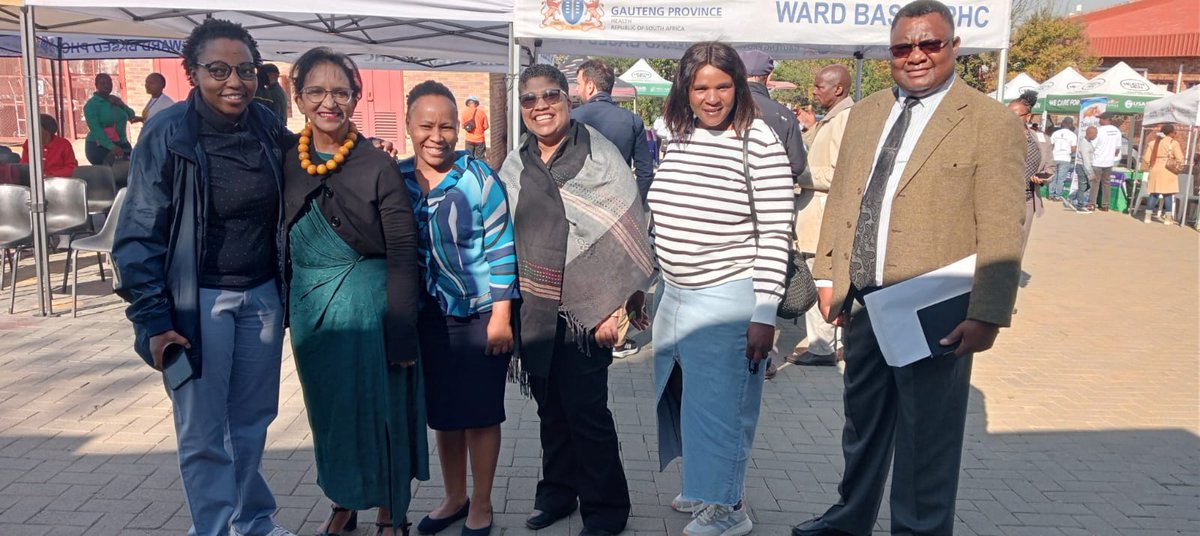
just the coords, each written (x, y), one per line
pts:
(1126, 90)
(646, 80)
(1184, 109)
(1019, 84)
(456, 30)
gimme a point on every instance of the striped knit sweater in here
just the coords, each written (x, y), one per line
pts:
(703, 235)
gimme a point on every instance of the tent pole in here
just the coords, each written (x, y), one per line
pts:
(1003, 75)
(858, 67)
(514, 73)
(1187, 192)
(58, 85)
(36, 178)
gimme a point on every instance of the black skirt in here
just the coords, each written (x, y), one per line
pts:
(464, 387)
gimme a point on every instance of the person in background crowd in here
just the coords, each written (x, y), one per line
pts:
(155, 84)
(1162, 182)
(583, 261)
(759, 66)
(1039, 163)
(664, 135)
(107, 119)
(1084, 170)
(1063, 141)
(622, 127)
(354, 291)
(58, 157)
(475, 123)
(271, 93)
(1107, 152)
(723, 251)
(831, 90)
(626, 131)
(468, 263)
(930, 172)
(200, 253)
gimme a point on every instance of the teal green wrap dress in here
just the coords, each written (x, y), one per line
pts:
(367, 418)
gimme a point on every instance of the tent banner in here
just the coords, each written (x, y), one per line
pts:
(853, 24)
(1117, 104)
(80, 47)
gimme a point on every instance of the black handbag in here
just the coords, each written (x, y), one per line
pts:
(799, 289)
(469, 126)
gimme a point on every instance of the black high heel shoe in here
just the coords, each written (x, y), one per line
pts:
(380, 526)
(349, 525)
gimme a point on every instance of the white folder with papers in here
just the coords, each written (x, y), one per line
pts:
(893, 309)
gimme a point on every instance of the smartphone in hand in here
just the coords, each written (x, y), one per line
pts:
(177, 368)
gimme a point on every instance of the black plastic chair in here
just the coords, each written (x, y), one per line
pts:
(16, 231)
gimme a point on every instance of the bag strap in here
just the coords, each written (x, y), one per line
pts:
(749, 182)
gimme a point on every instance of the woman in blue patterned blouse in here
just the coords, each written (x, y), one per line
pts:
(468, 263)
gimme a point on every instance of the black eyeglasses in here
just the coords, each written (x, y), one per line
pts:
(551, 96)
(220, 70)
(931, 46)
(316, 95)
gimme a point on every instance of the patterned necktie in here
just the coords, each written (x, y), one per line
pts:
(863, 254)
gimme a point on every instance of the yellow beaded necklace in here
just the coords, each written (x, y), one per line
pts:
(339, 158)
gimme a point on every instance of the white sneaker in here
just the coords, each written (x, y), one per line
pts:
(719, 520)
(686, 506)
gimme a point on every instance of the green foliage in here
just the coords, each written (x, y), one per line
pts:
(1045, 44)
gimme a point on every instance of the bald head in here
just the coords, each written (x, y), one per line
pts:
(832, 84)
(1091, 132)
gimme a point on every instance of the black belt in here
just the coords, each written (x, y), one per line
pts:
(857, 294)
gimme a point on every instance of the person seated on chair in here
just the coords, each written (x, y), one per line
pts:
(58, 157)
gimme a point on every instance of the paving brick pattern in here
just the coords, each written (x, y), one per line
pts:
(1083, 420)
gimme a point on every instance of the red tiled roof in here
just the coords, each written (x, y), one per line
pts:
(1145, 29)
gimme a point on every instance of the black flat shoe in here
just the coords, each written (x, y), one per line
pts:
(381, 526)
(485, 531)
(348, 526)
(429, 525)
(539, 520)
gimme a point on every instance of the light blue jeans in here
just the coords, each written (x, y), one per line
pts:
(711, 420)
(221, 418)
(1062, 179)
(1168, 203)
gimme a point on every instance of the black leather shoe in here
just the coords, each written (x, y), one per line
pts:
(429, 525)
(595, 532)
(809, 359)
(539, 520)
(817, 527)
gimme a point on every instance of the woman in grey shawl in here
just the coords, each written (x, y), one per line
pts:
(583, 257)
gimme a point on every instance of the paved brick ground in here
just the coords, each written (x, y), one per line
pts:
(1083, 420)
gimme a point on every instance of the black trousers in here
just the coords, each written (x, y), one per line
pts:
(919, 412)
(581, 457)
(98, 155)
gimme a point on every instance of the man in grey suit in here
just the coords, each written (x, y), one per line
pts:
(929, 173)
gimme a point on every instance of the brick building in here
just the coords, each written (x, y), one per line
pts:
(1159, 37)
(379, 113)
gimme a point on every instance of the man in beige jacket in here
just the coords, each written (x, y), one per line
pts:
(930, 172)
(831, 90)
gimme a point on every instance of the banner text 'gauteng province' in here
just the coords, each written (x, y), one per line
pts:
(982, 24)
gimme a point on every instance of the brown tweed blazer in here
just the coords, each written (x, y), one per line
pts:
(962, 192)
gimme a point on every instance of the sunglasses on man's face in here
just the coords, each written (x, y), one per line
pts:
(551, 96)
(931, 46)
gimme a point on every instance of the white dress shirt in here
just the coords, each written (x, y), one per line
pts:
(157, 104)
(919, 117)
(922, 112)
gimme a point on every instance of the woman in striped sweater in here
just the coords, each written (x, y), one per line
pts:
(723, 252)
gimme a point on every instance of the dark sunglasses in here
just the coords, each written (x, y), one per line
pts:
(551, 96)
(932, 46)
(220, 70)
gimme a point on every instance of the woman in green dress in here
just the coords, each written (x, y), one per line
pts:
(354, 288)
